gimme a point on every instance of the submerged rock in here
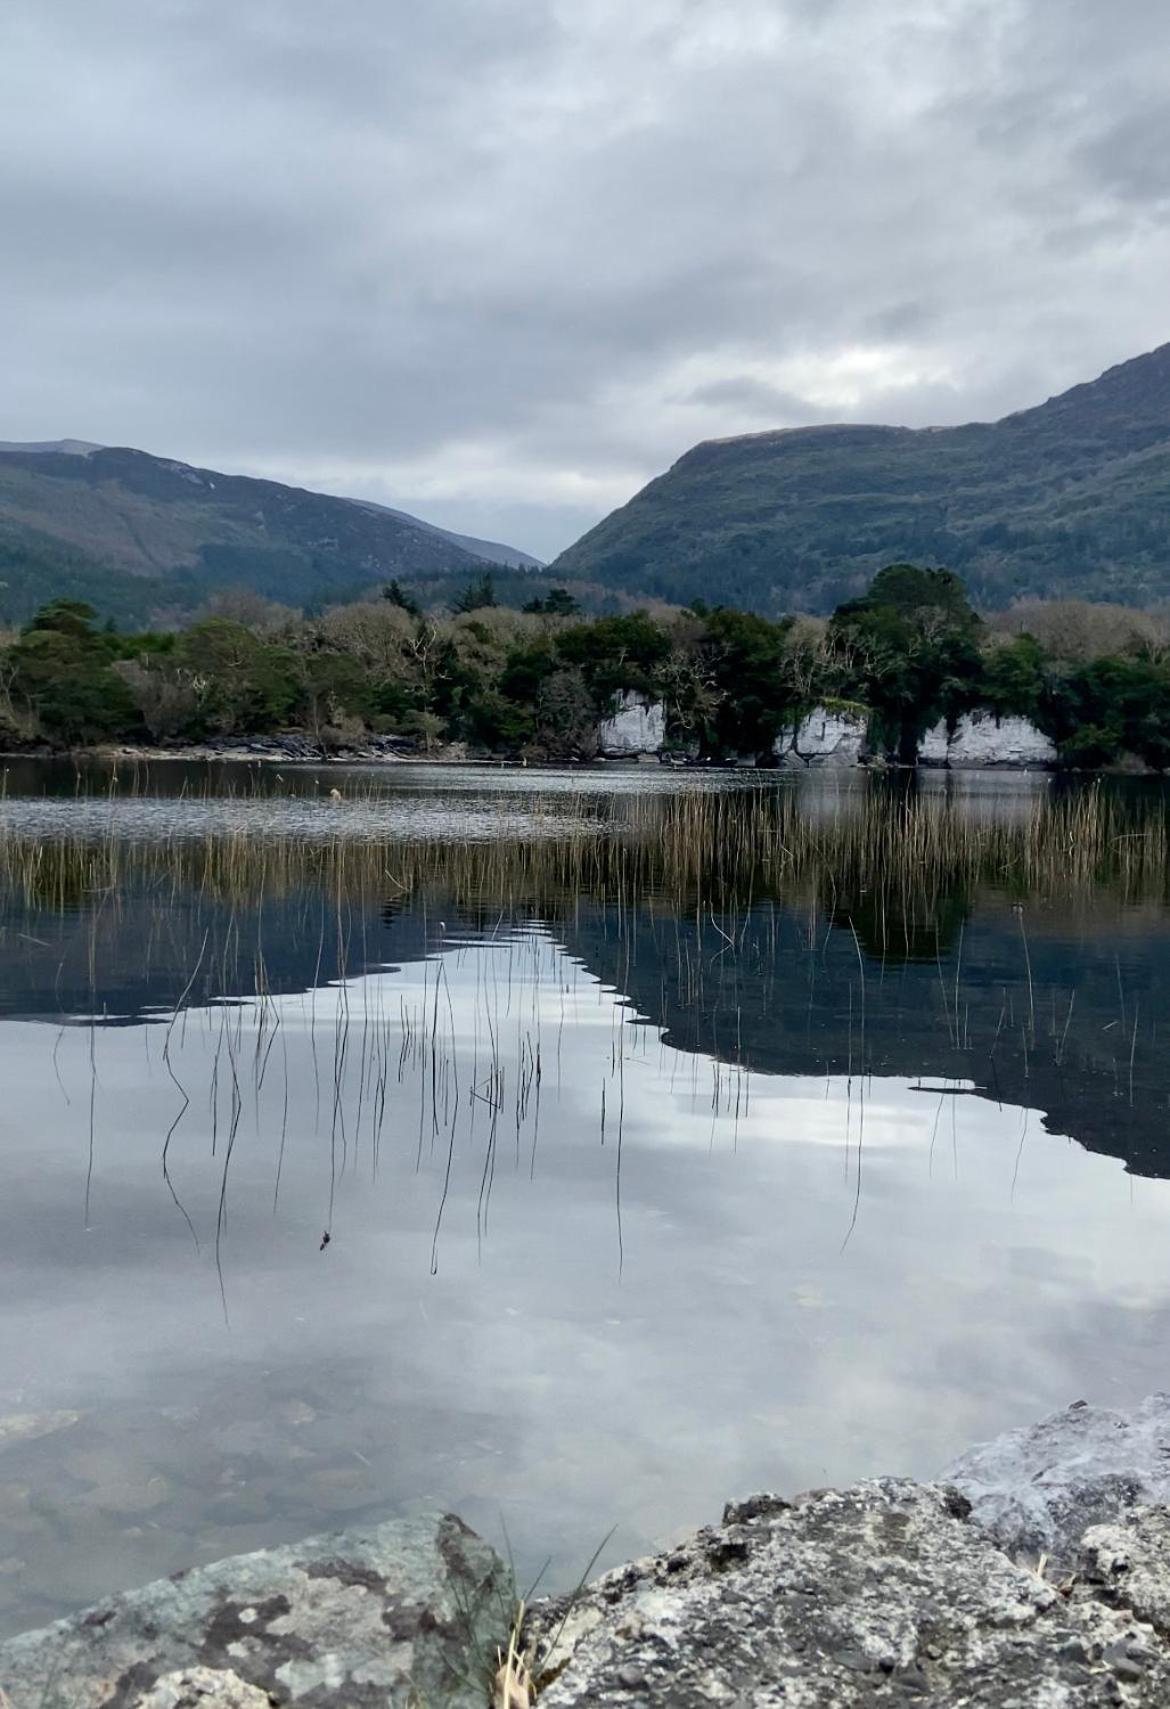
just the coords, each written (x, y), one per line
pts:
(408, 1613)
(886, 1593)
(1037, 1490)
(28, 1426)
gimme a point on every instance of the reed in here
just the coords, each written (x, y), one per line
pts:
(692, 869)
(731, 897)
(703, 853)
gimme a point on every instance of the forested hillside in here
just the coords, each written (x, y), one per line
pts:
(144, 538)
(1071, 499)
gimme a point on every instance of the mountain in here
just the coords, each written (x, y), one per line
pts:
(487, 551)
(143, 536)
(1071, 499)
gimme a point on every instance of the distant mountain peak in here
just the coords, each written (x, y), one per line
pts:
(139, 534)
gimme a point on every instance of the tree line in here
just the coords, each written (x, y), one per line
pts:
(535, 683)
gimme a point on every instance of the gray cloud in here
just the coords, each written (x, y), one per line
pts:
(500, 261)
(755, 398)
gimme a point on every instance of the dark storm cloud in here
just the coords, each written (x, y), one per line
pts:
(502, 260)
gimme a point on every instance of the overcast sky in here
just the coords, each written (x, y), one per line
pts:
(501, 261)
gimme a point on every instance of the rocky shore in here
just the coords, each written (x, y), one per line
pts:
(830, 739)
(287, 749)
(1035, 1574)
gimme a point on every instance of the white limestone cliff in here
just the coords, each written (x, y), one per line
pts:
(636, 726)
(982, 739)
(823, 739)
(934, 746)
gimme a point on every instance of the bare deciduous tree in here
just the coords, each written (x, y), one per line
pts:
(1077, 631)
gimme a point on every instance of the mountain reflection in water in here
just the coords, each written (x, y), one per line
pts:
(670, 1142)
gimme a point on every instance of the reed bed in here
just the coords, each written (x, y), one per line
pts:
(690, 852)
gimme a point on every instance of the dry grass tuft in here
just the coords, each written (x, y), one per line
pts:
(512, 1688)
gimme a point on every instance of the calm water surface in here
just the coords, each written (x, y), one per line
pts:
(674, 1137)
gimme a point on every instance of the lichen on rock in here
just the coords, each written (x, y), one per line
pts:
(408, 1613)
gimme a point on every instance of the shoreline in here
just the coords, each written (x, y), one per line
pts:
(280, 751)
(275, 750)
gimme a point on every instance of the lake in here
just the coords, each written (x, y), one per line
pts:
(575, 1151)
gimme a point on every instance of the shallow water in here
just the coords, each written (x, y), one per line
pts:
(636, 1200)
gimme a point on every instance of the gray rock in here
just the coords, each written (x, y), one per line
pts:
(982, 741)
(1037, 1490)
(1129, 1563)
(204, 1688)
(979, 741)
(880, 1594)
(636, 725)
(28, 1426)
(408, 1613)
(824, 739)
(934, 745)
(887, 1593)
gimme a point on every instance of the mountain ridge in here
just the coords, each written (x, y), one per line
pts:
(142, 535)
(1068, 497)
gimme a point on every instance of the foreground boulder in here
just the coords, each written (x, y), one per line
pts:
(409, 1613)
(1036, 1491)
(881, 1594)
